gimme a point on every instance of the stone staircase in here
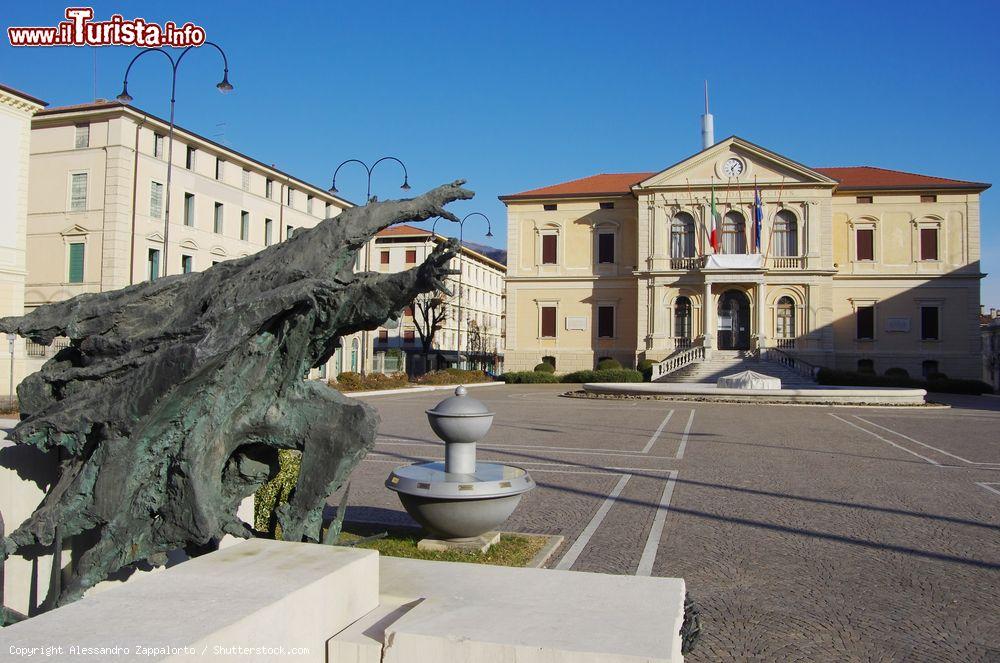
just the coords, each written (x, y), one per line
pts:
(727, 362)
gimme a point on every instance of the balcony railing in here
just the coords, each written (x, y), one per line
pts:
(683, 342)
(787, 262)
(685, 263)
(38, 351)
(784, 343)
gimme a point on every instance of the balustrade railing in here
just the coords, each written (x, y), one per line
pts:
(786, 262)
(685, 263)
(800, 366)
(677, 361)
(785, 343)
(683, 342)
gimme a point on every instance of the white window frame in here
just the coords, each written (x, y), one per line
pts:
(158, 140)
(539, 305)
(924, 224)
(859, 303)
(246, 180)
(152, 187)
(81, 130)
(69, 191)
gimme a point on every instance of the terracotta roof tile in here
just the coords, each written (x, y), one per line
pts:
(595, 185)
(869, 177)
(402, 230)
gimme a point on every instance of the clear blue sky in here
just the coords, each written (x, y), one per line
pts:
(512, 95)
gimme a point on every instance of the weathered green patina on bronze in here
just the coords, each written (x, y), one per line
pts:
(174, 397)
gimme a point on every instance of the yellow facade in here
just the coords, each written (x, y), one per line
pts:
(800, 292)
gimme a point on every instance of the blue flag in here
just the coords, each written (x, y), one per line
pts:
(758, 219)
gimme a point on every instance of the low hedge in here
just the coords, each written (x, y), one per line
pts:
(827, 376)
(609, 365)
(545, 367)
(646, 368)
(529, 377)
(350, 381)
(606, 375)
(453, 376)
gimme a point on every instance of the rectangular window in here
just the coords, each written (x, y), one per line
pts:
(549, 249)
(864, 200)
(155, 200)
(929, 323)
(153, 264)
(549, 207)
(220, 168)
(78, 192)
(76, 252)
(548, 321)
(187, 264)
(408, 336)
(82, 138)
(605, 321)
(928, 199)
(246, 179)
(158, 145)
(329, 210)
(309, 204)
(189, 158)
(866, 243)
(217, 227)
(865, 316)
(268, 231)
(244, 225)
(290, 196)
(928, 244)
(384, 257)
(269, 188)
(383, 336)
(605, 248)
(411, 256)
(189, 209)
(288, 231)
(607, 205)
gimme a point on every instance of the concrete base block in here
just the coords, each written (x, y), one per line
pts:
(248, 602)
(481, 543)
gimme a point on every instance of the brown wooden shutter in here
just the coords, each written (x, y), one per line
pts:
(384, 258)
(866, 244)
(549, 321)
(549, 249)
(605, 321)
(408, 336)
(411, 256)
(383, 335)
(928, 244)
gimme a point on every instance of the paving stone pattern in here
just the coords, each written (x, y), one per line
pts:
(804, 533)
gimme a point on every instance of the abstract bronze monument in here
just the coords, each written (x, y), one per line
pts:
(174, 397)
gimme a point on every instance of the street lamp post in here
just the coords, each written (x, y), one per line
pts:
(224, 86)
(368, 194)
(461, 271)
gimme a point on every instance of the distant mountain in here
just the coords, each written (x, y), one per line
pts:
(500, 255)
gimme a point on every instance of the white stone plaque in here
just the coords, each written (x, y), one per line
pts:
(576, 323)
(897, 324)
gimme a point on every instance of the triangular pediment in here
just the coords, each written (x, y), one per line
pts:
(718, 163)
(155, 237)
(74, 230)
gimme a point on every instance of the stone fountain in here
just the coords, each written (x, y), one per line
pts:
(460, 501)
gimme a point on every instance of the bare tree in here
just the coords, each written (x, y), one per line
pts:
(429, 316)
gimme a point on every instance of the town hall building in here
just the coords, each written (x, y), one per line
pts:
(856, 268)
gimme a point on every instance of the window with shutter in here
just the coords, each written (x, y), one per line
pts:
(188, 209)
(155, 200)
(219, 168)
(384, 258)
(929, 319)
(153, 264)
(408, 336)
(548, 321)
(158, 145)
(246, 180)
(865, 244)
(78, 192)
(605, 321)
(289, 230)
(187, 264)
(549, 249)
(82, 138)
(606, 248)
(383, 336)
(244, 225)
(411, 256)
(268, 231)
(189, 158)
(217, 227)
(76, 253)
(865, 316)
(928, 244)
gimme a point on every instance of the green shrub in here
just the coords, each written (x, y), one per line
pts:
(937, 376)
(896, 372)
(350, 381)
(609, 364)
(646, 368)
(452, 376)
(276, 492)
(545, 367)
(606, 375)
(529, 377)
(827, 376)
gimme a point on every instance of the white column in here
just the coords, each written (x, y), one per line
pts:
(761, 316)
(707, 318)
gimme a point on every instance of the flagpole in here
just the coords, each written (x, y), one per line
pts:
(770, 234)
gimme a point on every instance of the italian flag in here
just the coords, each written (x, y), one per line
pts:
(714, 237)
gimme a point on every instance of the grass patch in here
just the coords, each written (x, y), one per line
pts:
(511, 550)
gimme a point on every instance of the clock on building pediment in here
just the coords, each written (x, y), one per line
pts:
(733, 167)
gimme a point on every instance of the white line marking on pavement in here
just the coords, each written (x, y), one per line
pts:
(598, 469)
(530, 447)
(684, 438)
(652, 440)
(645, 567)
(923, 444)
(874, 434)
(574, 552)
(988, 485)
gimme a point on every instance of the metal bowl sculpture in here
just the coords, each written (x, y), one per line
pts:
(460, 499)
(174, 396)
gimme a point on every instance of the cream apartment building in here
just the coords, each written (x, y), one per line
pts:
(97, 198)
(857, 268)
(16, 111)
(482, 287)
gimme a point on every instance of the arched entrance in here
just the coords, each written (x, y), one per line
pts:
(734, 321)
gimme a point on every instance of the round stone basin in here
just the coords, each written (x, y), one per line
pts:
(459, 506)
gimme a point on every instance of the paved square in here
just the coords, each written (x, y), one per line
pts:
(804, 533)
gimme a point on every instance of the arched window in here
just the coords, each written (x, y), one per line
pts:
(682, 317)
(682, 236)
(786, 234)
(786, 318)
(354, 355)
(734, 233)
